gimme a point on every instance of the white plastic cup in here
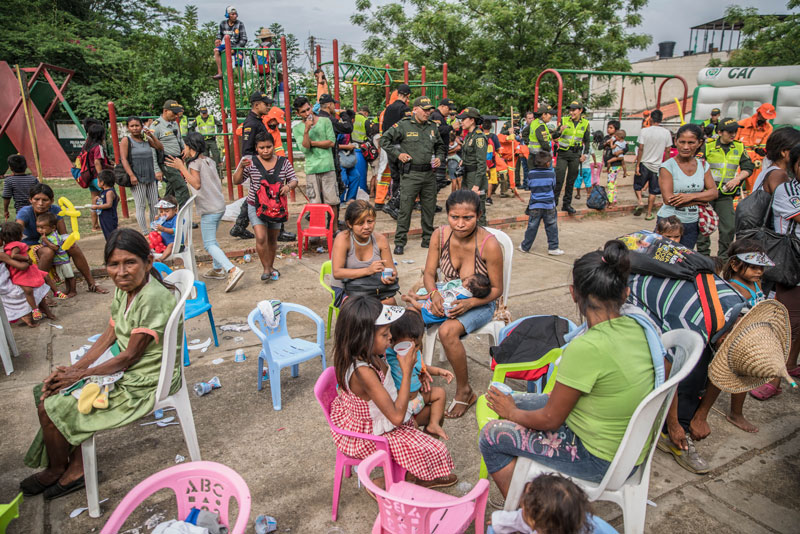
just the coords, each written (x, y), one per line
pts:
(403, 347)
(502, 388)
(388, 272)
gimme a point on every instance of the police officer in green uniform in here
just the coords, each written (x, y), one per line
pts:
(473, 157)
(183, 123)
(165, 128)
(725, 156)
(711, 124)
(361, 124)
(415, 142)
(207, 125)
(540, 138)
(573, 146)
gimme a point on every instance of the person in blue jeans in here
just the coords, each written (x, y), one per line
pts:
(542, 205)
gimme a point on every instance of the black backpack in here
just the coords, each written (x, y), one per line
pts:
(598, 198)
(528, 341)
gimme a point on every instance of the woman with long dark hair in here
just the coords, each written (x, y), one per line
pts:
(140, 311)
(96, 160)
(137, 154)
(203, 180)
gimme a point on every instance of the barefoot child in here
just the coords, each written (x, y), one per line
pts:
(368, 401)
(477, 285)
(29, 278)
(746, 262)
(106, 204)
(427, 401)
(46, 226)
(163, 236)
(670, 228)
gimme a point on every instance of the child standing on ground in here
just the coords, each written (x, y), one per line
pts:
(542, 205)
(106, 203)
(670, 228)
(427, 401)
(584, 179)
(163, 235)
(46, 226)
(29, 278)
(18, 185)
(747, 260)
(368, 401)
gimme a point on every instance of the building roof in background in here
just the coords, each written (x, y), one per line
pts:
(718, 23)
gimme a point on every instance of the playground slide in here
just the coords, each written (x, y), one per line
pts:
(55, 162)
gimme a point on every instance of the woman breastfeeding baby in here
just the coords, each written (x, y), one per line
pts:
(370, 403)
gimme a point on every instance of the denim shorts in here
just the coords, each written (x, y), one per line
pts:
(255, 220)
(476, 317)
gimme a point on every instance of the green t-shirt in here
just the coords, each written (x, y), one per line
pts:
(613, 382)
(318, 160)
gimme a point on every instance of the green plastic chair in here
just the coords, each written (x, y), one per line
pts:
(482, 411)
(9, 512)
(327, 268)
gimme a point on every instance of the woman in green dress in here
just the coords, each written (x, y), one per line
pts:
(139, 313)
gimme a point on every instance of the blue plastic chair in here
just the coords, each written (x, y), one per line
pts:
(194, 307)
(279, 350)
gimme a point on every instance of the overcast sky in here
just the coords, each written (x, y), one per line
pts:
(665, 20)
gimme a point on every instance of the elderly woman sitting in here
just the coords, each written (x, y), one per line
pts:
(140, 310)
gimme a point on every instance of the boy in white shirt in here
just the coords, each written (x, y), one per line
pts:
(654, 143)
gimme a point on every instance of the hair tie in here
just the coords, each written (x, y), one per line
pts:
(603, 259)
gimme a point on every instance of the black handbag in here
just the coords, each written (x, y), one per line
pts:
(120, 174)
(371, 285)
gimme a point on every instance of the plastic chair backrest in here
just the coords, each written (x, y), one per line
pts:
(317, 214)
(649, 416)
(325, 392)
(409, 514)
(184, 281)
(204, 485)
(327, 269)
(260, 328)
(9, 512)
(508, 254)
(183, 227)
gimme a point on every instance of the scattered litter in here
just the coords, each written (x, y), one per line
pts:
(320, 250)
(247, 258)
(218, 361)
(239, 356)
(94, 338)
(651, 503)
(158, 414)
(195, 344)
(203, 388)
(160, 422)
(294, 254)
(54, 325)
(234, 328)
(279, 256)
(78, 511)
(238, 339)
(196, 340)
(265, 524)
(463, 488)
(281, 428)
(179, 459)
(408, 261)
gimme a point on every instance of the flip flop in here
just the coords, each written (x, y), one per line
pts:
(765, 392)
(89, 393)
(794, 372)
(37, 315)
(650, 217)
(57, 490)
(101, 402)
(32, 486)
(453, 403)
(637, 210)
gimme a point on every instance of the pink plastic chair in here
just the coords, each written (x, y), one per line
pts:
(204, 485)
(405, 508)
(317, 227)
(325, 391)
(597, 168)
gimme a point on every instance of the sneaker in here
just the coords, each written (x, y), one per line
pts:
(216, 274)
(489, 201)
(233, 278)
(556, 252)
(522, 249)
(688, 459)
(497, 502)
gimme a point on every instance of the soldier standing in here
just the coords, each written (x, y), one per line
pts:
(416, 144)
(473, 157)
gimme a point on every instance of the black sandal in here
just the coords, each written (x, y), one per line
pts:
(32, 486)
(57, 490)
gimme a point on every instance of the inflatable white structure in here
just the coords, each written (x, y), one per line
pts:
(738, 91)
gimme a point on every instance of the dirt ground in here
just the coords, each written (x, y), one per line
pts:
(287, 457)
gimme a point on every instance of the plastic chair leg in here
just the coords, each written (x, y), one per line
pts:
(260, 371)
(213, 328)
(295, 370)
(330, 242)
(184, 409)
(337, 484)
(186, 361)
(89, 454)
(275, 386)
(634, 507)
(330, 319)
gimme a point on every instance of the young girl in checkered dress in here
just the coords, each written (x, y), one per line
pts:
(368, 400)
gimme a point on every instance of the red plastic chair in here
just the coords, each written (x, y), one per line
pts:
(203, 485)
(317, 227)
(406, 507)
(325, 391)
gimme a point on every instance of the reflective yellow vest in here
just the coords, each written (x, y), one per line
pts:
(706, 123)
(359, 128)
(724, 166)
(533, 142)
(573, 135)
(206, 127)
(184, 125)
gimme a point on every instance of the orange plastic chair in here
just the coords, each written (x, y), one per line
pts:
(317, 227)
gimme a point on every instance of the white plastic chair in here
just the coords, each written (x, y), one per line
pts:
(8, 346)
(629, 492)
(492, 328)
(183, 234)
(184, 281)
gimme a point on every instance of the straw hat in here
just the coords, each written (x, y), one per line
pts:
(755, 351)
(265, 33)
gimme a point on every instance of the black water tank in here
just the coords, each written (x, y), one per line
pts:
(665, 49)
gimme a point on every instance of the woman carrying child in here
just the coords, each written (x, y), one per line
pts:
(368, 401)
(24, 275)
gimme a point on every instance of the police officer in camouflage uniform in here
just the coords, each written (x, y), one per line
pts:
(421, 149)
(473, 157)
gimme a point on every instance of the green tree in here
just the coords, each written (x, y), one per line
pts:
(495, 49)
(293, 52)
(768, 40)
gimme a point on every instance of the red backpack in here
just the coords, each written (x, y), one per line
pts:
(271, 206)
(87, 171)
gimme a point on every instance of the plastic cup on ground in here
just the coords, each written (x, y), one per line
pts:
(239, 356)
(502, 388)
(158, 414)
(403, 347)
(202, 388)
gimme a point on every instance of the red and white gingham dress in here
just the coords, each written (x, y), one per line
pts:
(424, 456)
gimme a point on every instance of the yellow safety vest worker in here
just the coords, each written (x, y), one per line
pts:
(533, 141)
(359, 128)
(206, 127)
(184, 125)
(724, 165)
(706, 123)
(573, 134)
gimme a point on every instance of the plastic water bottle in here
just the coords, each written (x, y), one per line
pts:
(247, 258)
(202, 388)
(449, 297)
(265, 524)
